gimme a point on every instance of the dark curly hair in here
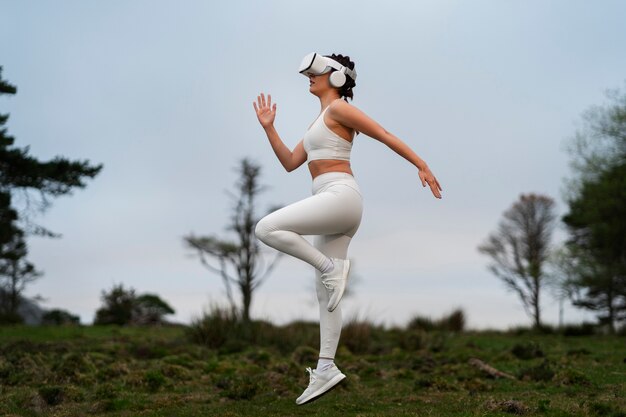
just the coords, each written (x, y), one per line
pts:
(346, 90)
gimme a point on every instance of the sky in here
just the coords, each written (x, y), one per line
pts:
(488, 93)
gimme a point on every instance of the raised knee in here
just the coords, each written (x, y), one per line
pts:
(262, 229)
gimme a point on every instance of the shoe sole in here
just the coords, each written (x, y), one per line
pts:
(336, 379)
(346, 270)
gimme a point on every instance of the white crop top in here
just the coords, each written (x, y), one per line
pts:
(322, 143)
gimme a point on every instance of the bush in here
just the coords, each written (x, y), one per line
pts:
(582, 329)
(124, 307)
(421, 323)
(215, 327)
(356, 335)
(454, 322)
(59, 317)
(11, 318)
(118, 306)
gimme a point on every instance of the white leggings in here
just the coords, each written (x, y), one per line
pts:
(333, 214)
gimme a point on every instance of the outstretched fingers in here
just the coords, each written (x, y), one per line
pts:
(435, 187)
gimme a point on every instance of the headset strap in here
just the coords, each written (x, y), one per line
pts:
(336, 65)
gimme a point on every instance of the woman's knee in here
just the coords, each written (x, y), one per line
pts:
(263, 229)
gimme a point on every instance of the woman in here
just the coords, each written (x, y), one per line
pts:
(333, 212)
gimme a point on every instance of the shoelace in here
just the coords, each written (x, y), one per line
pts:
(311, 375)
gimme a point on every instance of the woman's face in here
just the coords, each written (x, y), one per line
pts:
(318, 84)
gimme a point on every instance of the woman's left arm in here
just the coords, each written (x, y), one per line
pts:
(354, 118)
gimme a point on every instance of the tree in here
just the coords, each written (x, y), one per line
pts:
(150, 309)
(239, 261)
(596, 220)
(17, 273)
(600, 144)
(123, 306)
(597, 225)
(59, 317)
(118, 306)
(521, 247)
(35, 182)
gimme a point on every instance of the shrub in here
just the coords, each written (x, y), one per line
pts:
(59, 317)
(356, 335)
(582, 329)
(454, 322)
(530, 330)
(421, 323)
(118, 306)
(215, 327)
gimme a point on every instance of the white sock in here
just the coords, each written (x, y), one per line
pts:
(328, 266)
(323, 364)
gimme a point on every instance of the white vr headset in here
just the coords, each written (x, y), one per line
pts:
(316, 64)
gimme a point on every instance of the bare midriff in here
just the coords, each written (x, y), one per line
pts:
(322, 166)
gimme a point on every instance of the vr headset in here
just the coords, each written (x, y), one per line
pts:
(316, 64)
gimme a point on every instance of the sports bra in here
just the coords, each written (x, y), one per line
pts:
(322, 143)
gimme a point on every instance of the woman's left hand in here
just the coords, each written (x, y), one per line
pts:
(427, 177)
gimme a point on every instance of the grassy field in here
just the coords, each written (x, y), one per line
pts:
(121, 371)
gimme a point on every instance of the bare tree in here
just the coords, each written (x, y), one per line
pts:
(239, 262)
(521, 247)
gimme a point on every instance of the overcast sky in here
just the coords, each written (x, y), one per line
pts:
(486, 92)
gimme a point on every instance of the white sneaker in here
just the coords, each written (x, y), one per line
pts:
(336, 281)
(320, 382)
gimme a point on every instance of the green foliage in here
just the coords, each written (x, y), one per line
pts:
(357, 335)
(527, 350)
(118, 306)
(20, 172)
(454, 322)
(122, 307)
(215, 328)
(595, 255)
(59, 317)
(154, 380)
(150, 309)
(224, 329)
(107, 377)
(582, 329)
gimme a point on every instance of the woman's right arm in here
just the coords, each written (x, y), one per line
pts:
(266, 113)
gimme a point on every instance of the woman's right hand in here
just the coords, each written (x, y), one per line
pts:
(265, 112)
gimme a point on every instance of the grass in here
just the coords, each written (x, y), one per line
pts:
(158, 371)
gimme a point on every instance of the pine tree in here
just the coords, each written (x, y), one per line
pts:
(38, 181)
